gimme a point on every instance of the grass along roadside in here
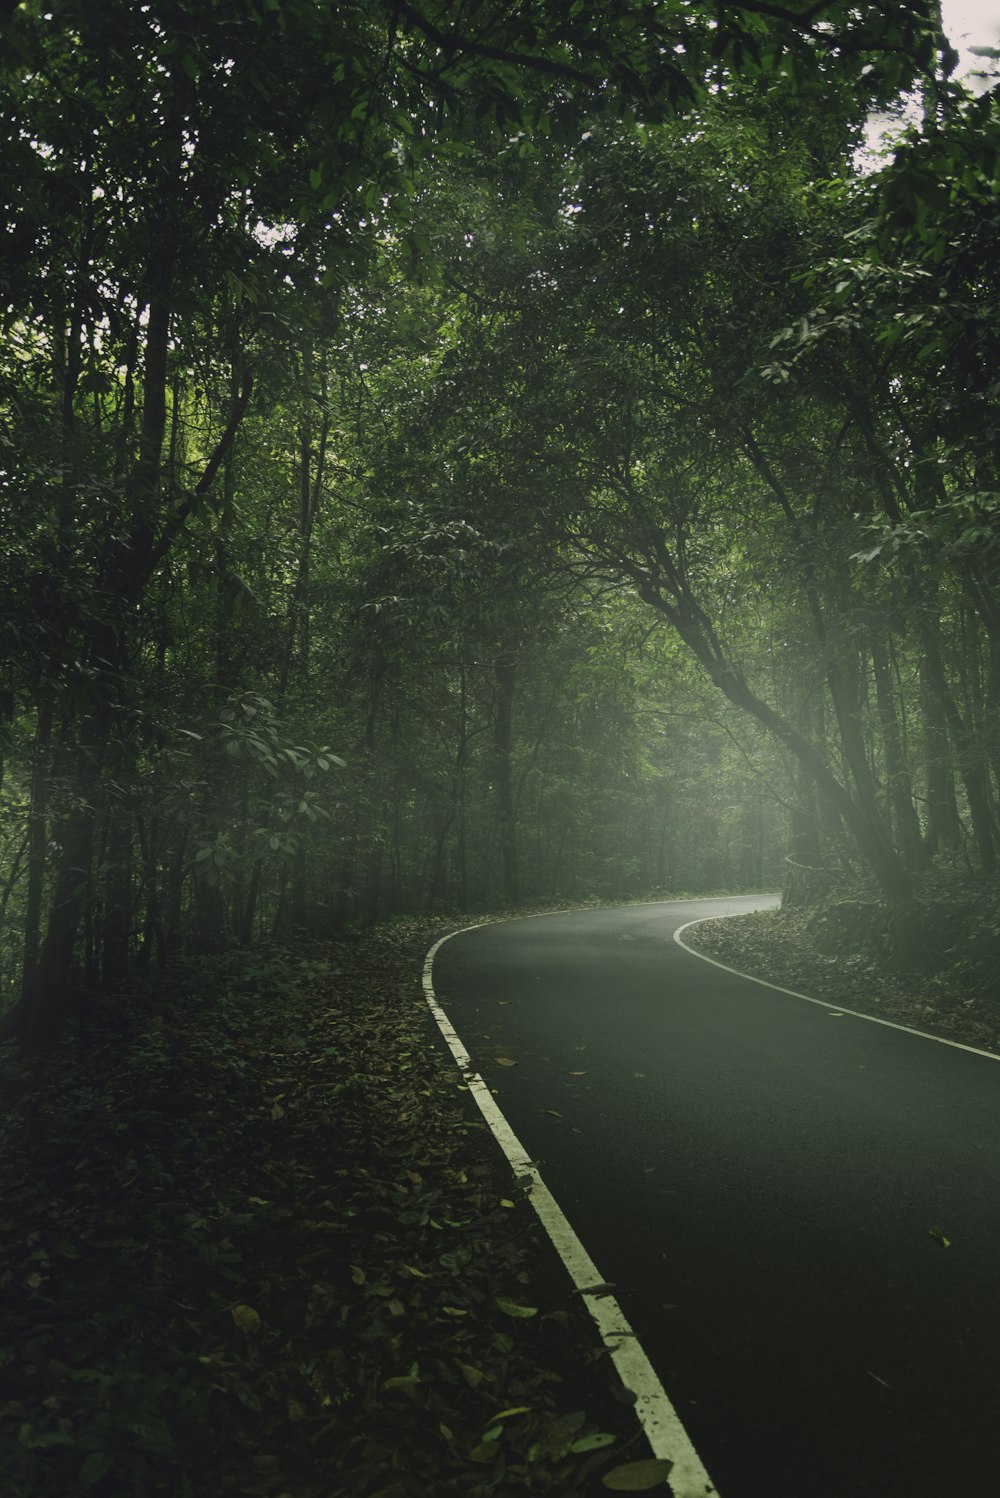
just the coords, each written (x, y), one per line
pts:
(253, 1242)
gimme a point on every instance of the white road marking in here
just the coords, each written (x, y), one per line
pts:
(657, 1416)
(822, 1003)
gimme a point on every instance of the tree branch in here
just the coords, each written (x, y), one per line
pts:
(176, 522)
(453, 45)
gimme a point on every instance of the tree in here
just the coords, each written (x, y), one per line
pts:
(207, 211)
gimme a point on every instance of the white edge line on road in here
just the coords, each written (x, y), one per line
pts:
(659, 1420)
(822, 1003)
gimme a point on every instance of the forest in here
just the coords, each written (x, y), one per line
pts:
(459, 457)
(451, 461)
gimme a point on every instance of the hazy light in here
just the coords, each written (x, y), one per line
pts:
(967, 23)
(971, 23)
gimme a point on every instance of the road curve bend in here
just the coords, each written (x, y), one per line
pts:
(800, 1211)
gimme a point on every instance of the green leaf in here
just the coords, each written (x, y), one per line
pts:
(515, 1409)
(596, 1442)
(402, 1385)
(246, 1319)
(509, 1307)
(638, 1477)
(47, 1438)
(153, 1433)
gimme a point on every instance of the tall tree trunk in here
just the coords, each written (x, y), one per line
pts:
(505, 676)
(461, 777)
(806, 880)
(993, 713)
(153, 935)
(49, 994)
(860, 811)
(863, 821)
(37, 842)
(173, 920)
(224, 674)
(116, 926)
(897, 772)
(249, 910)
(966, 750)
(944, 829)
(455, 814)
(311, 471)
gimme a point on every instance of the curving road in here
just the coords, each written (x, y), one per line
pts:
(769, 1185)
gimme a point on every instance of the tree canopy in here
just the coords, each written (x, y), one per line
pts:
(465, 454)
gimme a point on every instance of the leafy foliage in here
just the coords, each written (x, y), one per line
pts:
(367, 437)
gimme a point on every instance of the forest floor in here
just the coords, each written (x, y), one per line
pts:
(960, 1001)
(255, 1241)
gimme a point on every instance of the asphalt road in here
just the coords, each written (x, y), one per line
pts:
(768, 1187)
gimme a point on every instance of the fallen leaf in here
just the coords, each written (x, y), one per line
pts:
(937, 1233)
(246, 1319)
(505, 1061)
(552, 1112)
(402, 1384)
(510, 1308)
(515, 1409)
(637, 1477)
(877, 1379)
(599, 1439)
(576, 1074)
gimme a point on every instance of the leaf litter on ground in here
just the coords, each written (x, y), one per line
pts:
(252, 1244)
(958, 1002)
